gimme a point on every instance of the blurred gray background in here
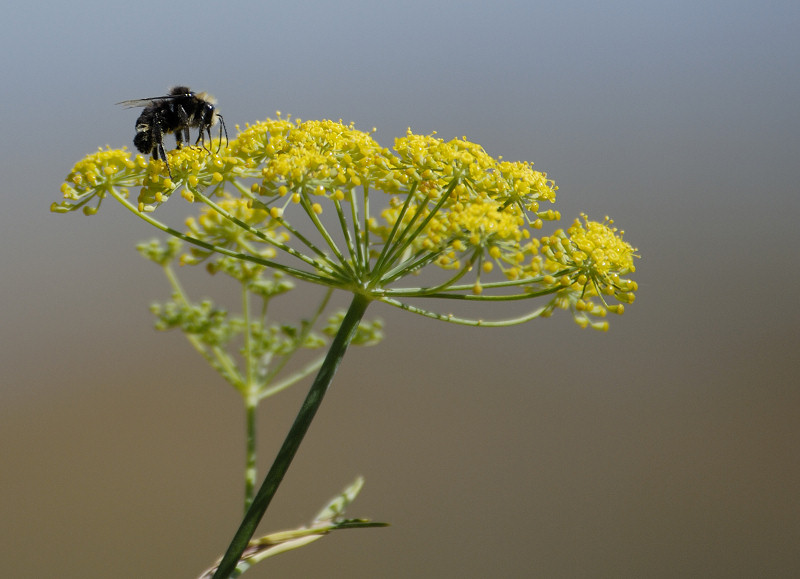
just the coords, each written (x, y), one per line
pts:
(667, 447)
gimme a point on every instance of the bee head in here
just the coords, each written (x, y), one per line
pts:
(180, 91)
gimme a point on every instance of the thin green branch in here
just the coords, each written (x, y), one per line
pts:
(266, 239)
(389, 245)
(312, 215)
(466, 321)
(251, 402)
(352, 247)
(431, 291)
(411, 264)
(406, 238)
(361, 231)
(304, 332)
(296, 273)
(363, 241)
(332, 265)
(307, 370)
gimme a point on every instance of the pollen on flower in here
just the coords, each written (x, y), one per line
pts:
(316, 208)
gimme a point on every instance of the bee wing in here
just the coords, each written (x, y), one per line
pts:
(146, 102)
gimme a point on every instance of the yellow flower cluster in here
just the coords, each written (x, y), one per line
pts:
(469, 204)
(590, 260)
(449, 204)
(97, 174)
(312, 158)
(197, 168)
(436, 163)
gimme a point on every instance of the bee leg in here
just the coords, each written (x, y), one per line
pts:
(182, 135)
(158, 143)
(201, 140)
(159, 152)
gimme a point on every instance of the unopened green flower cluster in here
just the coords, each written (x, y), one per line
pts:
(375, 216)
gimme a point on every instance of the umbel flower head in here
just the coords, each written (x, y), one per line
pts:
(377, 218)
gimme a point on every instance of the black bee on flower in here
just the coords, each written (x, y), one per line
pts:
(176, 112)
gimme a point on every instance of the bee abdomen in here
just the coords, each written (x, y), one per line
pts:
(143, 141)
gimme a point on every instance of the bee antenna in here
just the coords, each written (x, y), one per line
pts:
(222, 127)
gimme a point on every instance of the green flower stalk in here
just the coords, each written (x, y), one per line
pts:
(459, 222)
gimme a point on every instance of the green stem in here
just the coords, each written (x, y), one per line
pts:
(250, 468)
(251, 401)
(296, 433)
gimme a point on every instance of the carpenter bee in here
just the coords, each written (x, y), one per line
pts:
(176, 113)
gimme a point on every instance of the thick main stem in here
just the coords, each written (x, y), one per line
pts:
(250, 468)
(296, 433)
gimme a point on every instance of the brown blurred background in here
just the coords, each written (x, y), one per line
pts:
(667, 447)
